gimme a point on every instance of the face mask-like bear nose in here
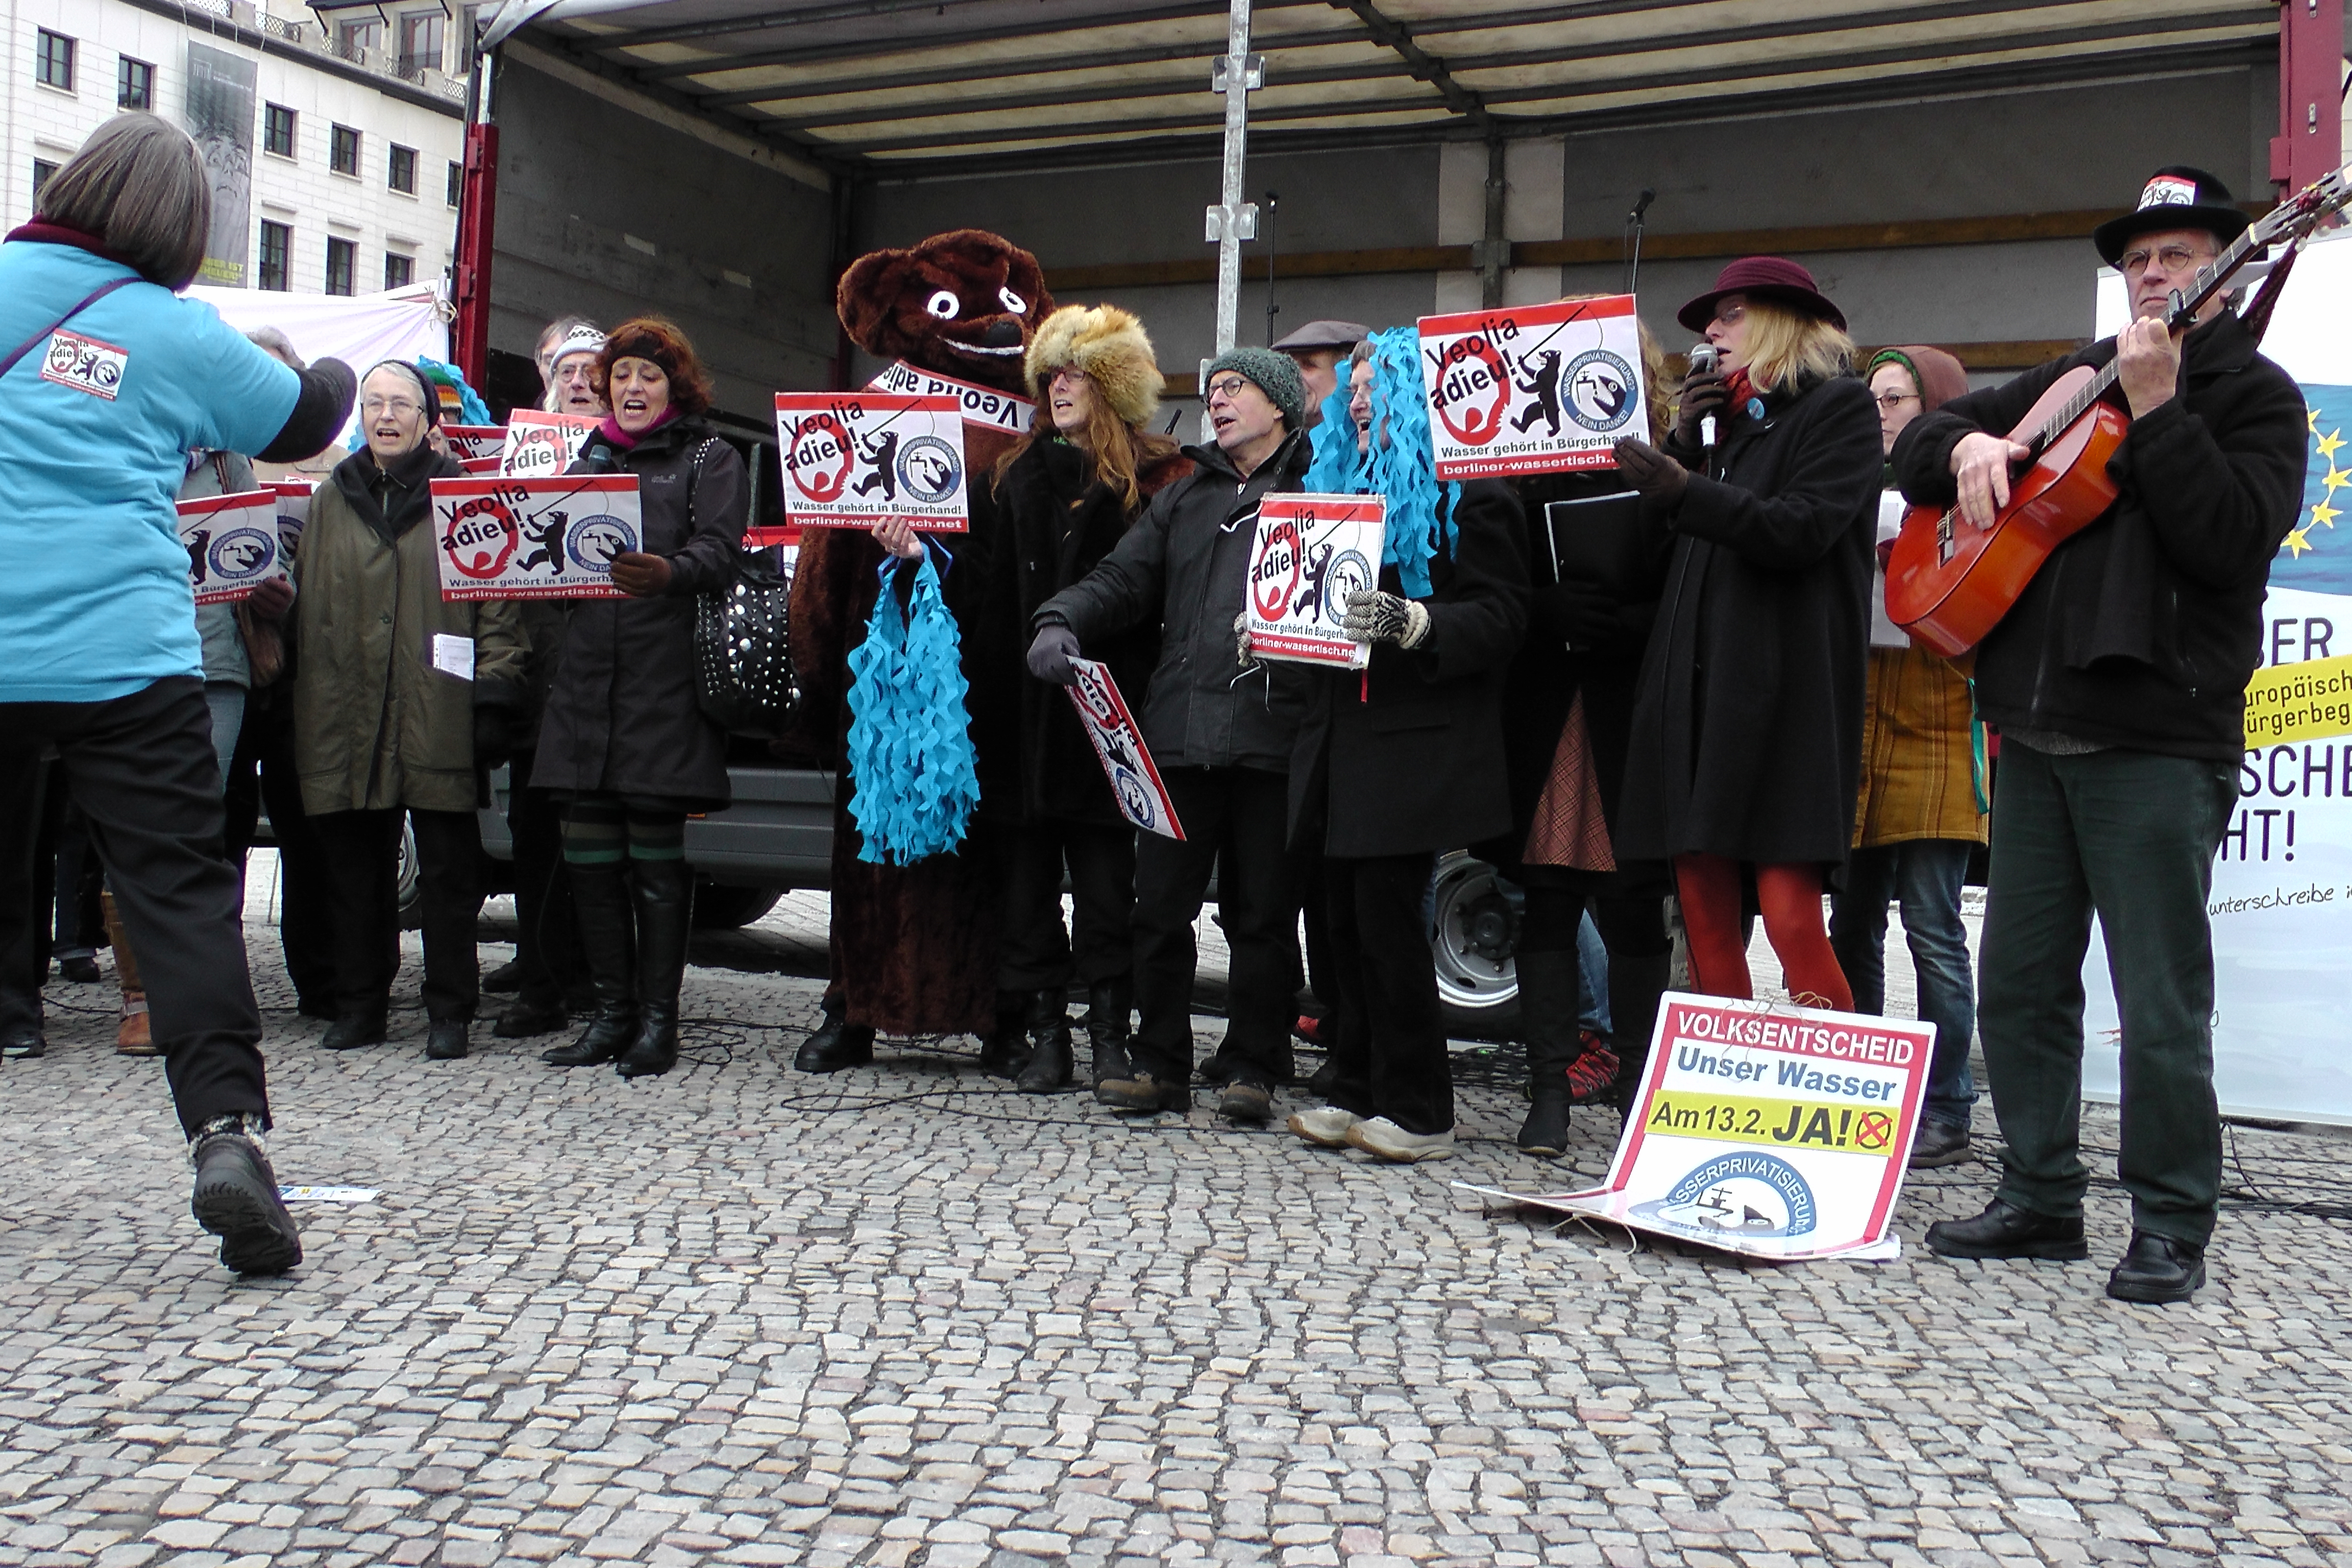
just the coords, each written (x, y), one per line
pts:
(1002, 334)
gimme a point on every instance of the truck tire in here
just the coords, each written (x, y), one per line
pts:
(722, 906)
(1474, 934)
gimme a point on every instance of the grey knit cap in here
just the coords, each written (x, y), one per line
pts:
(1275, 374)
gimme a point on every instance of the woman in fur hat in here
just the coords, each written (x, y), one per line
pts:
(1067, 493)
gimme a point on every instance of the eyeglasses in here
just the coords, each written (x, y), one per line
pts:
(1891, 401)
(1730, 315)
(2171, 258)
(1228, 386)
(398, 407)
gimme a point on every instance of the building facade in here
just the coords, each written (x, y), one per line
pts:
(333, 145)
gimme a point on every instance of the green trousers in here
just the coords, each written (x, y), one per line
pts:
(2130, 835)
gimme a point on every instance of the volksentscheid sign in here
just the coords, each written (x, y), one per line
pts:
(534, 539)
(1533, 389)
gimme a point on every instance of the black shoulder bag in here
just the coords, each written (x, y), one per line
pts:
(742, 652)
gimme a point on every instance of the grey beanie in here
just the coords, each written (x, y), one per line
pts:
(1275, 374)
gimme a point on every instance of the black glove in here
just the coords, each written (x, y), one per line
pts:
(1659, 477)
(494, 735)
(1581, 614)
(1375, 616)
(1702, 395)
(1050, 654)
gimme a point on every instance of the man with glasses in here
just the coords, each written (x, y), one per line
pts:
(2118, 682)
(1220, 726)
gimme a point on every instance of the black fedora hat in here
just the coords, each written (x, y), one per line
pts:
(1774, 278)
(2175, 196)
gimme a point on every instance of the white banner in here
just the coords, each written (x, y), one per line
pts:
(541, 446)
(534, 539)
(232, 544)
(852, 459)
(1118, 741)
(1771, 1130)
(982, 405)
(1533, 389)
(1308, 553)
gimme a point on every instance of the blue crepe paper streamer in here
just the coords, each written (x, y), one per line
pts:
(910, 754)
(1403, 468)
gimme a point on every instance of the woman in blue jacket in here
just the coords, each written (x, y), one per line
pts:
(108, 380)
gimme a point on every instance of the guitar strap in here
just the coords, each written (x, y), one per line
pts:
(2257, 314)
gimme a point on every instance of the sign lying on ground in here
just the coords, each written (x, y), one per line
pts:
(534, 539)
(1309, 553)
(1118, 741)
(1533, 389)
(983, 406)
(233, 545)
(853, 460)
(1771, 1130)
(540, 445)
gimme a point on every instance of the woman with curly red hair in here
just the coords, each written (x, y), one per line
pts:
(624, 740)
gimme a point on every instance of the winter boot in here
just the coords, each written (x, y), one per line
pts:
(236, 1198)
(608, 942)
(834, 1043)
(1005, 1051)
(1049, 1067)
(665, 890)
(1547, 1010)
(132, 1035)
(1108, 1004)
(1635, 982)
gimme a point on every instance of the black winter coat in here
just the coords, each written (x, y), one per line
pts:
(621, 714)
(1747, 737)
(1057, 525)
(1183, 564)
(1406, 756)
(2141, 630)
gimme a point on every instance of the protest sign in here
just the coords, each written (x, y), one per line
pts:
(534, 539)
(983, 406)
(475, 440)
(1767, 1129)
(1309, 553)
(852, 459)
(293, 511)
(1533, 389)
(541, 446)
(1126, 761)
(232, 544)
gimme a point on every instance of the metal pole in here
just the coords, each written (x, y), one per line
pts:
(477, 227)
(1227, 233)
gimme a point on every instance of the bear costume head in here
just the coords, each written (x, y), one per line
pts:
(964, 304)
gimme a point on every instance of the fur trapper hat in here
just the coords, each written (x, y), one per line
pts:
(1107, 344)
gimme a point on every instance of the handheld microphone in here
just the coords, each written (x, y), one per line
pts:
(1641, 202)
(1705, 358)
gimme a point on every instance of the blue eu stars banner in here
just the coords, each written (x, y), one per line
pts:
(2317, 554)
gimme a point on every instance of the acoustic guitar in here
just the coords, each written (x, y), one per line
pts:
(1949, 583)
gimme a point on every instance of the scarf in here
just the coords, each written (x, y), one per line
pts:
(621, 440)
(42, 233)
(393, 499)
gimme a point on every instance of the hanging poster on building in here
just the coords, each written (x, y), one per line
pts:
(540, 445)
(1308, 553)
(534, 539)
(1118, 741)
(1767, 1129)
(1533, 389)
(853, 460)
(220, 108)
(983, 406)
(232, 543)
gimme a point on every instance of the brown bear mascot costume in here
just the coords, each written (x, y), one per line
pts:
(914, 948)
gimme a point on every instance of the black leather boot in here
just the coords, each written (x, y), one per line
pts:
(1109, 1003)
(665, 893)
(1050, 1066)
(1548, 1013)
(1004, 1050)
(608, 944)
(834, 1045)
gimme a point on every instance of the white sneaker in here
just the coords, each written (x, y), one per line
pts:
(1381, 1136)
(1326, 1124)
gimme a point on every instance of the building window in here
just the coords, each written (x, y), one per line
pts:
(353, 37)
(401, 174)
(276, 246)
(53, 60)
(342, 265)
(343, 151)
(456, 181)
(420, 42)
(134, 84)
(43, 171)
(399, 271)
(278, 129)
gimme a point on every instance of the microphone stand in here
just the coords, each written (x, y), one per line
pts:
(1635, 224)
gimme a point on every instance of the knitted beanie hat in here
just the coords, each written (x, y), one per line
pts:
(1275, 374)
(1110, 346)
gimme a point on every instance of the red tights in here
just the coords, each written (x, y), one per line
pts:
(1791, 899)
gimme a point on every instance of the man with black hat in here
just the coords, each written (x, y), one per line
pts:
(1317, 350)
(1221, 729)
(2117, 681)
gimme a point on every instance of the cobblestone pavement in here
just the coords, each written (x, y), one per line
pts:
(900, 1316)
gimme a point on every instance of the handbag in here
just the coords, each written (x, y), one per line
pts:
(743, 678)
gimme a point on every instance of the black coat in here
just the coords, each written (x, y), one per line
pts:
(1747, 737)
(2141, 630)
(1407, 755)
(622, 715)
(1057, 525)
(1183, 564)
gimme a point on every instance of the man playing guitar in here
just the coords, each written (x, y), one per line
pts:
(2118, 683)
